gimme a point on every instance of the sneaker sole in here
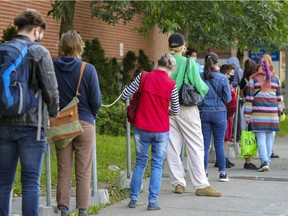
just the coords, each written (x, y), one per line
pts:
(224, 180)
(263, 169)
(153, 209)
(210, 195)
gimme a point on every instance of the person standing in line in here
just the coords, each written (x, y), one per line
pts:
(250, 67)
(152, 126)
(228, 71)
(235, 81)
(263, 108)
(18, 136)
(192, 53)
(67, 69)
(186, 128)
(238, 72)
(213, 112)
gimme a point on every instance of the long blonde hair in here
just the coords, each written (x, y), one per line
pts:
(71, 44)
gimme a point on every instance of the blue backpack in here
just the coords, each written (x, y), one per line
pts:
(15, 95)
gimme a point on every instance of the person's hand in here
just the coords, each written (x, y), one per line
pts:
(247, 120)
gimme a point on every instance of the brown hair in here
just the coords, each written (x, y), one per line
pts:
(210, 60)
(71, 44)
(29, 19)
(250, 67)
(225, 68)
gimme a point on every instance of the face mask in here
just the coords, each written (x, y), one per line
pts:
(38, 40)
(194, 57)
(231, 78)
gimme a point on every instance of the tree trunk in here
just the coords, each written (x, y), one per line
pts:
(67, 20)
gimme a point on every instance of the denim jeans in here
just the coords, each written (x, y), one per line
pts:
(215, 122)
(265, 144)
(19, 142)
(159, 142)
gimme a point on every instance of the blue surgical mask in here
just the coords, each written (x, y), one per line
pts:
(194, 57)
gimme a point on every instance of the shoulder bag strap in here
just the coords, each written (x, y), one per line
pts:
(186, 68)
(80, 77)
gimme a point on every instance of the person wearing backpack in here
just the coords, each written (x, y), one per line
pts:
(67, 68)
(22, 132)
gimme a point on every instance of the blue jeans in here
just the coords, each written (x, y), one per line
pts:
(215, 122)
(159, 143)
(19, 142)
(265, 144)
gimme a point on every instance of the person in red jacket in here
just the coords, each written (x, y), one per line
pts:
(228, 71)
(152, 126)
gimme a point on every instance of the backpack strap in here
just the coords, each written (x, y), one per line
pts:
(80, 77)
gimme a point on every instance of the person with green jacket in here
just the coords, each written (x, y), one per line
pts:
(186, 128)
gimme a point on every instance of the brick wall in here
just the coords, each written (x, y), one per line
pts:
(109, 36)
(9, 10)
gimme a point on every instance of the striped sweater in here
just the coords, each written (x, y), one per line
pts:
(263, 108)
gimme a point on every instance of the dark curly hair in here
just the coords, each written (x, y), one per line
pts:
(29, 19)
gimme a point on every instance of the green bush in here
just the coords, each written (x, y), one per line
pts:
(112, 120)
(144, 64)
(129, 66)
(8, 33)
(283, 84)
(108, 70)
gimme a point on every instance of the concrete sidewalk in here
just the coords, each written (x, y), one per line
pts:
(248, 193)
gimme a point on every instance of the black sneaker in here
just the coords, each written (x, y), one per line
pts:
(274, 155)
(264, 167)
(229, 163)
(250, 166)
(223, 177)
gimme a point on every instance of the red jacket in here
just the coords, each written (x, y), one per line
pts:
(231, 106)
(152, 111)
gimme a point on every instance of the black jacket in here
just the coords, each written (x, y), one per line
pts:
(42, 75)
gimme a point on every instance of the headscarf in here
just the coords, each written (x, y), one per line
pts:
(265, 71)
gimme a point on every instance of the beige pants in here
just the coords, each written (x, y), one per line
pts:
(186, 128)
(82, 146)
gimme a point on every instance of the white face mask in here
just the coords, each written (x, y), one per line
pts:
(194, 57)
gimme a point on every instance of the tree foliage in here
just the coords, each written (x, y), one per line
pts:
(217, 24)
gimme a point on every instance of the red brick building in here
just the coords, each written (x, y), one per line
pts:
(109, 36)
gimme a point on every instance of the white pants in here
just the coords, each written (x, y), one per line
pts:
(186, 128)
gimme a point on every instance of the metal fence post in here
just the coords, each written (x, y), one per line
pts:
(94, 165)
(236, 120)
(128, 144)
(48, 176)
